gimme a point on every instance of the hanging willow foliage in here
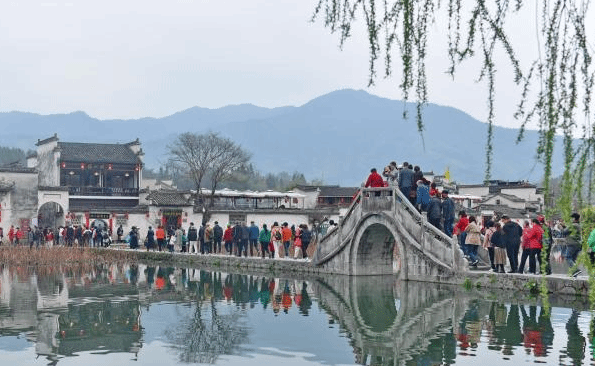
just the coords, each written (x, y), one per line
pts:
(556, 89)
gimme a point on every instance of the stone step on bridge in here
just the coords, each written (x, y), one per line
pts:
(382, 233)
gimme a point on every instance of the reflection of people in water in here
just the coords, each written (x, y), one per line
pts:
(470, 328)
(286, 298)
(575, 347)
(264, 293)
(537, 334)
(305, 303)
(150, 272)
(513, 336)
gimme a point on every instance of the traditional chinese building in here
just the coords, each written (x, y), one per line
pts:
(87, 183)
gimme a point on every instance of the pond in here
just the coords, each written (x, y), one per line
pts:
(151, 315)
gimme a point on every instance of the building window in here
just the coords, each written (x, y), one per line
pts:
(497, 202)
(121, 220)
(77, 220)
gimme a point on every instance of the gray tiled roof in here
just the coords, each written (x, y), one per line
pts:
(168, 198)
(330, 191)
(97, 153)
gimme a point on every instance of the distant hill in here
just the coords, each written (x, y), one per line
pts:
(338, 137)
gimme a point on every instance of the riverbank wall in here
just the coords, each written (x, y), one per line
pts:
(561, 284)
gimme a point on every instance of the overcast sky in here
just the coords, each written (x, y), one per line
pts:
(136, 58)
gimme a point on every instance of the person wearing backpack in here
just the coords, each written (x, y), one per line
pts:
(276, 238)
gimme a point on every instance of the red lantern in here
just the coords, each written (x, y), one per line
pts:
(63, 165)
(82, 165)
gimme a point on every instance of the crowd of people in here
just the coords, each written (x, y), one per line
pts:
(423, 194)
(504, 239)
(72, 235)
(239, 239)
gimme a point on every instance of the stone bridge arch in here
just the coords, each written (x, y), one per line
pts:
(376, 246)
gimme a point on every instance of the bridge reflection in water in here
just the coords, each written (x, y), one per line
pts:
(387, 322)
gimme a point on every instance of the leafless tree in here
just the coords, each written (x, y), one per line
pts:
(206, 155)
(228, 158)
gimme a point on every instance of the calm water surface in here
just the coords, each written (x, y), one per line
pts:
(143, 315)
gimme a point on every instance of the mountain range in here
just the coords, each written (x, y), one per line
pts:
(336, 137)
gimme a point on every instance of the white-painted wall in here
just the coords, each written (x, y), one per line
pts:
(48, 164)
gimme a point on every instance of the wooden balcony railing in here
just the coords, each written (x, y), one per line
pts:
(103, 191)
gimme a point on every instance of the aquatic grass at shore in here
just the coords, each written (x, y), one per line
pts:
(23, 256)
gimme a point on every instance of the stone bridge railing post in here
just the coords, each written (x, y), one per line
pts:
(454, 244)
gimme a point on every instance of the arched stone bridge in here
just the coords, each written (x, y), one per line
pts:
(382, 233)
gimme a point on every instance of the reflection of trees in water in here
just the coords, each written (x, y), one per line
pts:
(208, 334)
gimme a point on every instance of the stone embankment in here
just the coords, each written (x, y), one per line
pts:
(556, 283)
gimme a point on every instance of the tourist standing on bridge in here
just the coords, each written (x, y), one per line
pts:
(473, 240)
(392, 174)
(417, 174)
(435, 212)
(459, 230)
(448, 213)
(512, 237)
(374, 180)
(422, 199)
(406, 181)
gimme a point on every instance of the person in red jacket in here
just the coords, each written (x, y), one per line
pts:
(459, 230)
(534, 241)
(228, 239)
(374, 179)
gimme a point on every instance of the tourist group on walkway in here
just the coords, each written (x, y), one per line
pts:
(278, 241)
